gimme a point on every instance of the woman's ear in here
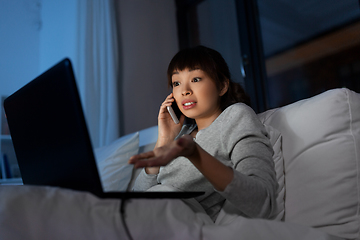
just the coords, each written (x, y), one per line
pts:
(225, 87)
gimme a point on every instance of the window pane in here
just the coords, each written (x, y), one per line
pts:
(218, 29)
(310, 47)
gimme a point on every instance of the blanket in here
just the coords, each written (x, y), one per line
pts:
(36, 212)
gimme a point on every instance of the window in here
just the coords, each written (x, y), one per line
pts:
(218, 24)
(281, 51)
(309, 47)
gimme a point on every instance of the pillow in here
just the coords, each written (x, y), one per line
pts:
(276, 141)
(321, 150)
(115, 173)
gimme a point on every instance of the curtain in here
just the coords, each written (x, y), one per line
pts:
(98, 69)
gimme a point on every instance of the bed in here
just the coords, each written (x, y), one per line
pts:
(316, 143)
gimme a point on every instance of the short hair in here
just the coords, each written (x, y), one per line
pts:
(214, 65)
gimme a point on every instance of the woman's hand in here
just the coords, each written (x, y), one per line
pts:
(167, 129)
(161, 156)
(218, 174)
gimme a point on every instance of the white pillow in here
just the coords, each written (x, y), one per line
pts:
(115, 172)
(321, 149)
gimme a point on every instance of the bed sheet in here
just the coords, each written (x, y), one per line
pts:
(34, 212)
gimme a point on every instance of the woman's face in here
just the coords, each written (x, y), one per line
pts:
(197, 96)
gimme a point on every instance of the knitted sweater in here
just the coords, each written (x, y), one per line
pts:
(239, 140)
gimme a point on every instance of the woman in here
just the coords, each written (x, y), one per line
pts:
(225, 151)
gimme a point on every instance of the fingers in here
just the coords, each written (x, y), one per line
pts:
(152, 162)
(163, 112)
(158, 157)
(168, 101)
(141, 156)
(141, 160)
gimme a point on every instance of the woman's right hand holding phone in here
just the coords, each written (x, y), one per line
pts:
(167, 129)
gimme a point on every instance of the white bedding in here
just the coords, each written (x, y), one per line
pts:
(51, 213)
(29, 212)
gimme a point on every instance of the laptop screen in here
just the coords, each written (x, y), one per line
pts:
(49, 132)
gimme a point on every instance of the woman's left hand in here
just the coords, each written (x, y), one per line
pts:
(161, 156)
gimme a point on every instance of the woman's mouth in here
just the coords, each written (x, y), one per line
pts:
(188, 105)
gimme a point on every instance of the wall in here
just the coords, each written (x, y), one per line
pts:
(35, 34)
(218, 29)
(20, 26)
(148, 42)
(58, 38)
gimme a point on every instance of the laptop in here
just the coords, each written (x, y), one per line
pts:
(51, 139)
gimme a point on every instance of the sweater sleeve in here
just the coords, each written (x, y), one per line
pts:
(254, 183)
(145, 181)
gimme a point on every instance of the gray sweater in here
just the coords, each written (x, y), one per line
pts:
(238, 139)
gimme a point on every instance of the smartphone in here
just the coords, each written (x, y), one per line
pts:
(175, 112)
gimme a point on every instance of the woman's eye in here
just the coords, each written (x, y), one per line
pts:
(196, 79)
(175, 84)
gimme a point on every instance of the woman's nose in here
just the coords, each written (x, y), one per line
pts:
(186, 92)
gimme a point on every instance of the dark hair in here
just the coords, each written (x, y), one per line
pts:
(213, 64)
